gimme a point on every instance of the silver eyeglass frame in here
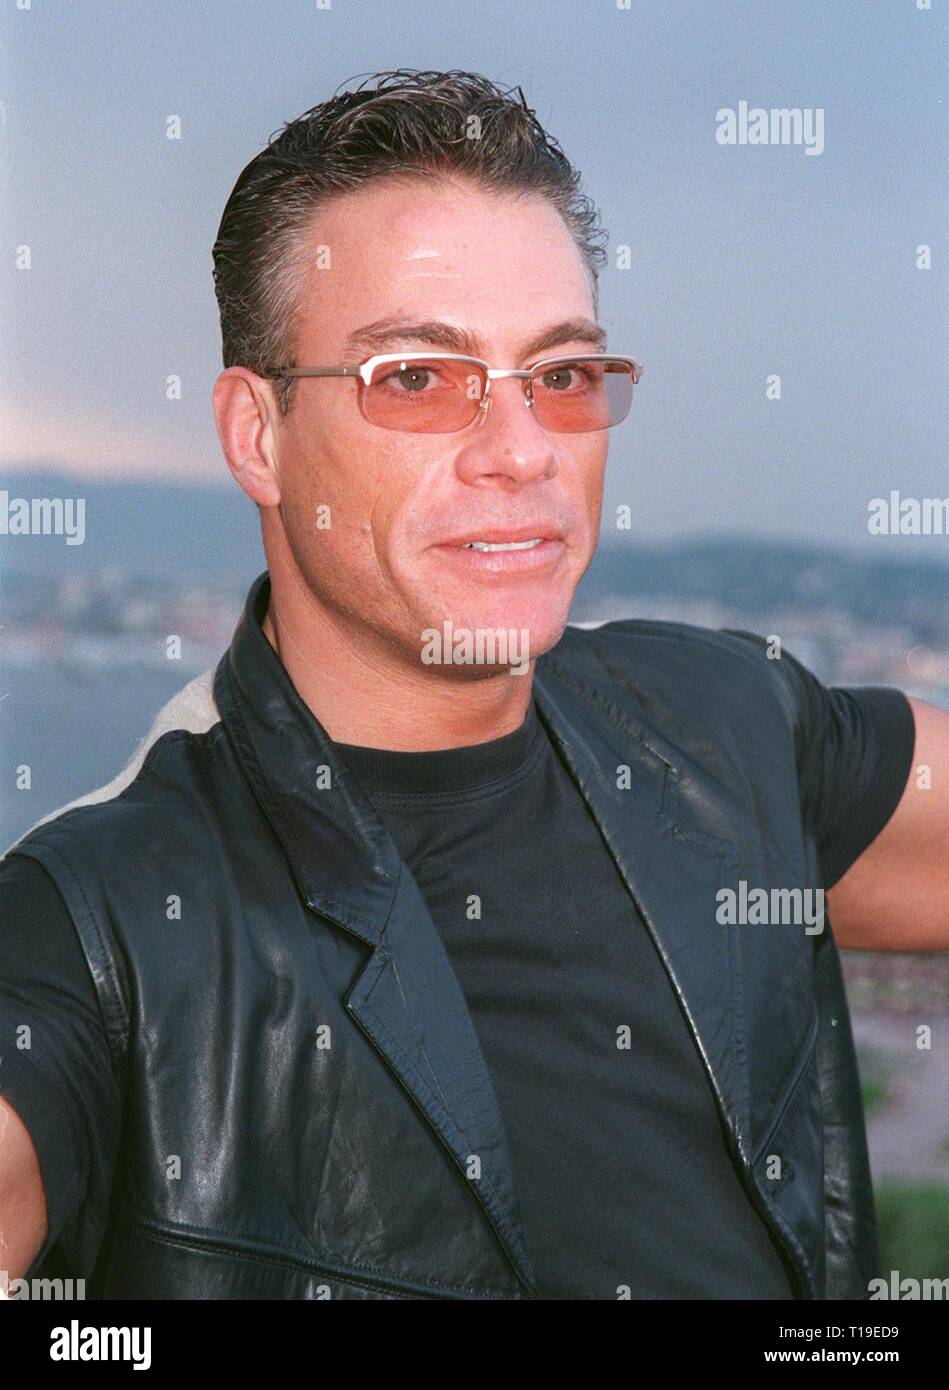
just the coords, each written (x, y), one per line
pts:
(365, 370)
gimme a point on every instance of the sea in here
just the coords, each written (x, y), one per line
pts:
(67, 729)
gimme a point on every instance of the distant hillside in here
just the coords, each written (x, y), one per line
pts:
(750, 574)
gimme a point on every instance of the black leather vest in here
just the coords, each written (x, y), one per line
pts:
(303, 1090)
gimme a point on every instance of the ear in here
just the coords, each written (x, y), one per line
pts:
(246, 412)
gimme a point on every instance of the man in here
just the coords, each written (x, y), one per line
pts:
(403, 964)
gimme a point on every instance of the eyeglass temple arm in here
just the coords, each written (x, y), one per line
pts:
(317, 371)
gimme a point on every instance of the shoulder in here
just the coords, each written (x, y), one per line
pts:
(685, 642)
(721, 672)
(109, 852)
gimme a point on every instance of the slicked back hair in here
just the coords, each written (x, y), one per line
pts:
(408, 123)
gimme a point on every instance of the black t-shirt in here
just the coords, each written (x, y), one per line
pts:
(620, 1162)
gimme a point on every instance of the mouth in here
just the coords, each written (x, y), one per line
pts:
(513, 552)
(487, 547)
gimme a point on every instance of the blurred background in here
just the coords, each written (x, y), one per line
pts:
(789, 308)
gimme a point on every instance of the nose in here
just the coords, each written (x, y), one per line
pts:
(506, 440)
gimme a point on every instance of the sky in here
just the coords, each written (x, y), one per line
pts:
(746, 260)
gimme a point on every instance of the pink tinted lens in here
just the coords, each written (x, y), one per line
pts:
(583, 394)
(424, 394)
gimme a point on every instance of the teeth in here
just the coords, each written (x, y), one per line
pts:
(502, 545)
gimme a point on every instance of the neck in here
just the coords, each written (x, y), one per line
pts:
(365, 691)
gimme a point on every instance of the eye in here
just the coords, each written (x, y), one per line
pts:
(557, 379)
(415, 378)
(567, 376)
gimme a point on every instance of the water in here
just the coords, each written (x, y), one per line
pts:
(75, 727)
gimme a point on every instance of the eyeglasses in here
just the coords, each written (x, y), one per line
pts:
(440, 392)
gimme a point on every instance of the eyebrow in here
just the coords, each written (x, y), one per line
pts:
(376, 337)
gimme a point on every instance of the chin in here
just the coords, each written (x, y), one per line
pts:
(470, 626)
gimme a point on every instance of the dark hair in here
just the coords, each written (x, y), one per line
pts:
(409, 123)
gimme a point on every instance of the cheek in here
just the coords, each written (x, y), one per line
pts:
(324, 491)
(590, 478)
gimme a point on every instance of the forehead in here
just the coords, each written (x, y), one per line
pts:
(498, 264)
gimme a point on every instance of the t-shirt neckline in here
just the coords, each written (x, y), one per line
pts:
(473, 766)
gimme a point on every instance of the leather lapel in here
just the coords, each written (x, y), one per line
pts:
(653, 807)
(408, 1001)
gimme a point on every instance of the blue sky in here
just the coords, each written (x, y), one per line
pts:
(745, 260)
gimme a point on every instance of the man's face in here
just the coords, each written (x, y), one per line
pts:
(506, 271)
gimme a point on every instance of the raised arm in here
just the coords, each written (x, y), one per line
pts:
(22, 1199)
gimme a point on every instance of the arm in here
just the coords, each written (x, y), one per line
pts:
(22, 1200)
(60, 1100)
(895, 896)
